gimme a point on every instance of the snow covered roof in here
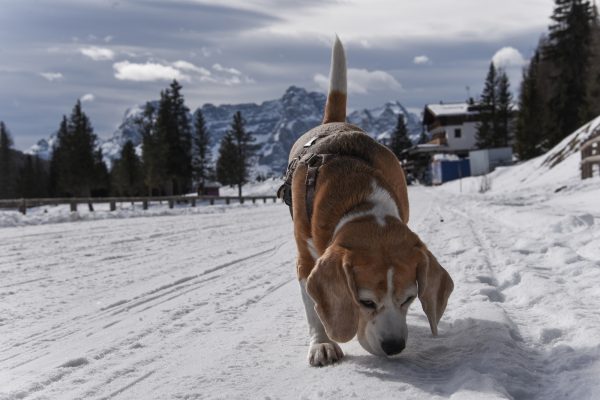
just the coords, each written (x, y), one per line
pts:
(434, 112)
(449, 109)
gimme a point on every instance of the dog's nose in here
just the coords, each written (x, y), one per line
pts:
(393, 346)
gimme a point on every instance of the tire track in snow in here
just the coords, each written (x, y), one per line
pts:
(496, 346)
(130, 385)
(522, 290)
(123, 306)
(258, 248)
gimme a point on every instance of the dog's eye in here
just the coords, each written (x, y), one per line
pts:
(369, 304)
(407, 301)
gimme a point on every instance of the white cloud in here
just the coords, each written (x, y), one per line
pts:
(97, 53)
(490, 20)
(508, 57)
(188, 66)
(181, 70)
(87, 97)
(230, 76)
(147, 72)
(220, 68)
(419, 60)
(362, 81)
(52, 76)
(108, 38)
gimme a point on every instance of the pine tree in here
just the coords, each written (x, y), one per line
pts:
(202, 157)
(56, 160)
(593, 73)
(399, 140)
(32, 178)
(127, 172)
(26, 179)
(77, 163)
(227, 161)
(504, 112)
(6, 173)
(530, 120)
(569, 51)
(153, 150)
(488, 125)
(101, 176)
(243, 141)
(42, 181)
(235, 154)
(173, 124)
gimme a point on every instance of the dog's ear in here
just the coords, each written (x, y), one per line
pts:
(435, 285)
(331, 286)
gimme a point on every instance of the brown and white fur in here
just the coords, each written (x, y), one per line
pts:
(359, 265)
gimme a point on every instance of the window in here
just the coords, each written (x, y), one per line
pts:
(457, 133)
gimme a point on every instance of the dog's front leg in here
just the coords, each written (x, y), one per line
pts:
(322, 351)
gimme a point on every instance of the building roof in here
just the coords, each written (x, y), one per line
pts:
(428, 148)
(448, 109)
(434, 111)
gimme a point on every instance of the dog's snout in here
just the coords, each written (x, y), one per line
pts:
(393, 346)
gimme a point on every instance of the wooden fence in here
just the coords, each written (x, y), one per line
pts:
(590, 155)
(23, 204)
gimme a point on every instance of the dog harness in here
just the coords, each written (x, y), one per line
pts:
(313, 161)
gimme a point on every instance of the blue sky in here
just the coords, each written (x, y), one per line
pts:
(115, 54)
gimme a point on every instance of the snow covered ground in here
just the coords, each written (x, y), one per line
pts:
(205, 305)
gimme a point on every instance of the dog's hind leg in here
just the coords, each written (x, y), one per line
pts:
(323, 351)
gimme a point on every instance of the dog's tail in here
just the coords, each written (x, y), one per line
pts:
(335, 109)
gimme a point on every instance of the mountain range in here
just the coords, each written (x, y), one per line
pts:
(275, 124)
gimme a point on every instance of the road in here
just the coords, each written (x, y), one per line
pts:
(207, 306)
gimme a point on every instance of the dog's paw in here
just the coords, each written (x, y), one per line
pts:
(321, 354)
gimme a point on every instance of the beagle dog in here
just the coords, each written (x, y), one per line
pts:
(359, 265)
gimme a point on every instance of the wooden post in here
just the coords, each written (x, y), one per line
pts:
(254, 200)
(145, 204)
(171, 203)
(212, 201)
(194, 202)
(264, 199)
(241, 200)
(227, 200)
(274, 199)
(113, 205)
(90, 206)
(23, 207)
(73, 206)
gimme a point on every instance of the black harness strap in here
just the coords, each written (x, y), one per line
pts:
(314, 162)
(285, 191)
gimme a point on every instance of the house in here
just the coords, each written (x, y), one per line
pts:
(209, 189)
(590, 156)
(453, 126)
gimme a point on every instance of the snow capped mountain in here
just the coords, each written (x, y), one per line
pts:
(43, 148)
(381, 121)
(275, 124)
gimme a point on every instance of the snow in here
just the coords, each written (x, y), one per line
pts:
(204, 304)
(557, 169)
(449, 109)
(52, 214)
(267, 187)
